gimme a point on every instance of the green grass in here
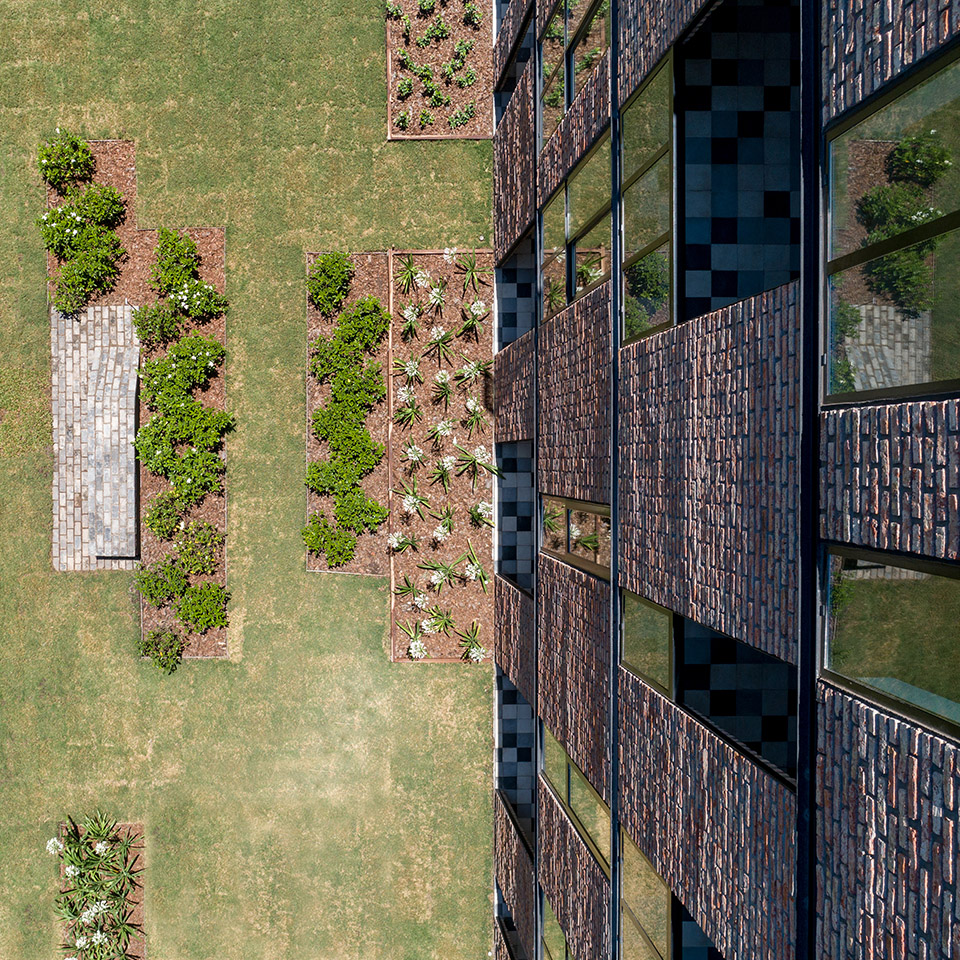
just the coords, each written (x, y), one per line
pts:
(306, 799)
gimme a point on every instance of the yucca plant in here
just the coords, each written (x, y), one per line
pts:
(443, 472)
(445, 516)
(442, 389)
(472, 371)
(440, 431)
(407, 274)
(441, 621)
(416, 648)
(473, 571)
(412, 501)
(411, 313)
(481, 514)
(407, 589)
(402, 542)
(408, 368)
(472, 274)
(474, 462)
(470, 643)
(551, 519)
(408, 414)
(437, 297)
(442, 574)
(475, 418)
(413, 455)
(440, 345)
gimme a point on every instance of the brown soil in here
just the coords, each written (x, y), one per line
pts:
(466, 601)
(116, 166)
(370, 279)
(480, 58)
(137, 950)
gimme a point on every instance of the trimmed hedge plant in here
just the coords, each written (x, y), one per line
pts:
(356, 386)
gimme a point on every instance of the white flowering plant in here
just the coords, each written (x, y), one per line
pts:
(401, 542)
(481, 514)
(474, 462)
(65, 159)
(411, 499)
(413, 454)
(472, 371)
(473, 276)
(442, 389)
(407, 274)
(100, 879)
(409, 368)
(473, 569)
(411, 313)
(445, 527)
(442, 574)
(440, 431)
(440, 345)
(409, 411)
(473, 650)
(440, 621)
(442, 472)
(475, 418)
(437, 297)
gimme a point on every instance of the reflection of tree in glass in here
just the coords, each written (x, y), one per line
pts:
(844, 322)
(647, 292)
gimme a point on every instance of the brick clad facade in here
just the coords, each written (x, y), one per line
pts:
(511, 30)
(890, 477)
(513, 868)
(573, 664)
(514, 649)
(514, 379)
(500, 950)
(647, 30)
(572, 880)
(869, 42)
(514, 167)
(887, 795)
(709, 473)
(716, 826)
(574, 391)
(587, 118)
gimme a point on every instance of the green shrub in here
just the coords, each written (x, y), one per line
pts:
(468, 79)
(167, 382)
(354, 512)
(157, 324)
(328, 282)
(336, 544)
(202, 607)
(402, 120)
(404, 88)
(472, 14)
(164, 516)
(199, 300)
(426, 119)
(164, 647)
(890, 208)
(463, 116)
(197, 546)
(98, 203)
(90, 270)
(922, 159)
(65, 159)
(903, 276)
(177, 262)
(160, 582)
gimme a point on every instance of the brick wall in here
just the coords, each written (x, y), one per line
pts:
(500, 951)
(573, 664)
(511, 30)
(513, 868)
(587, 118)
(574, 397)
(888, 828)
(513, 643)
(709, 477)
(544, 9)
(868, 42)
(514, 381)
(572, 880)
(890, 477)
(647, 29)
(514, 168)
(718, 828)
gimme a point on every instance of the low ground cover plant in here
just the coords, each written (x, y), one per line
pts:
(182, 443)
(99, 880)
(81, 232)
(356, 387)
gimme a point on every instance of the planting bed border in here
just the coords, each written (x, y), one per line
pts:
(483, 537)
(484, 100)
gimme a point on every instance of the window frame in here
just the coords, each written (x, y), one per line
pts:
(833, 265)
(675, 628)
(572, 559)
(910, 711)
(667, 150)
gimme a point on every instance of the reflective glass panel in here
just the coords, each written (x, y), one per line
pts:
(554, 286)
(590, 536)
(555, 764)
(647, 639)
(552, 103)
(553, 939)
(634, 945)
(589, 188)
(646, 895)
(553, 42)
(593, 257)
(554, 525)
(646, 124)
(592, 813)
(646, 209)
(592, 46)
(646, 294)
(554, 226)
(895, 630)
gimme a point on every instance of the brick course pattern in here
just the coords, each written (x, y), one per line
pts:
(513, 868)
(514, 379)
(572, 880)
(647, 30)
(544, 9)
(573, 664)
(587, 118)
(514, 168)
(513, 648)
(888, 827)
(890, 477)
(709, 476)
(717, 827)
(511, 30)
(869, 42)
(574, 400)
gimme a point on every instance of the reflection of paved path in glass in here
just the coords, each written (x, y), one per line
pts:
(888, 350)
(94, 394)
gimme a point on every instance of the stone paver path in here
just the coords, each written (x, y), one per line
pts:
(889, 350)
(94, 374)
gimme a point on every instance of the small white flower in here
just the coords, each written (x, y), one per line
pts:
(477, 654)
(99, 938)
(436, 578)
(420, 601)
(440, 533)
(436, 297)
(405, 394)
(473, 405)
(427, 626)
(394, 541)
(436, 332)
(574, 532)
(414, 453)
(54, 846)
(410, 312)
(444, 428)
(486, 509)
(449, 253)
(412, 367)
(81, 942)
(482, 454)
(410, 503)
(448, 463)
(422, 279)
(417, 650)
(71, 870)
(478, 308)
(442, 376)
(472, 571)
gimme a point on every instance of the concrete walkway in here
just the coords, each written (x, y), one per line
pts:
(94, 388)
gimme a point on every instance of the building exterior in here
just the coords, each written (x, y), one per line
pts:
(727, 381)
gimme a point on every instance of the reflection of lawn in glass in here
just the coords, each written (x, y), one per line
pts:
(904, 629)
(945, 314)
(647, 635)
(591, 813)
(646, 895)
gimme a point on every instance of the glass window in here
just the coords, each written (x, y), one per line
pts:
(646, 124)
(554, 226)
(592, 252)
(554, 525)
(554, 942)
(646, 209)
(894, 629)
(646, 294)
(555, 764)
(646, 901)
(589, 188)
(591, 812)
(592, 45)
(894, 294)
(577, 533)
(648, 640)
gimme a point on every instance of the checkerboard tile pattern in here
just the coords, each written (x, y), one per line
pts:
(516, 299)
(514, 771)
(738, 94)
(694, 943)
(745, 692)
(515, 508)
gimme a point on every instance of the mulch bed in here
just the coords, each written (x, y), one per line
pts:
(480, 58)
(375, 273)
(116, 166)
(137, 950)
(370, 279)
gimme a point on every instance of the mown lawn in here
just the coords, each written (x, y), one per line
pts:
(307, 799)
